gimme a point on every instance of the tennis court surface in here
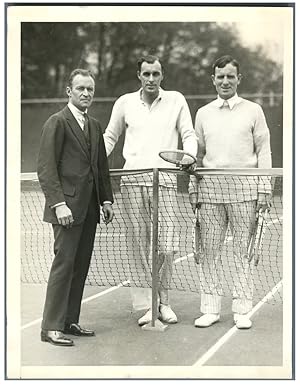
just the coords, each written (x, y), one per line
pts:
(107, 307)
(120, 341)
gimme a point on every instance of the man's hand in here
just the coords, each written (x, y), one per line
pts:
(193, 201)
(107, 212)
(263, 202)
(64, 216)
(188, 168)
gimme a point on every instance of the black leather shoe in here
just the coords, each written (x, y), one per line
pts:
(77, 330)
(55, 337)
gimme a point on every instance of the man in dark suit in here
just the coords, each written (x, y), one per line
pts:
(74, 176)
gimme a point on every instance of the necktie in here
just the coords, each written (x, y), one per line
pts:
(86, 127)
(226, 104)
(86, 131)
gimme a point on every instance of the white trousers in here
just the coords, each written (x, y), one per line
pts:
(214, 220)
(137, 213)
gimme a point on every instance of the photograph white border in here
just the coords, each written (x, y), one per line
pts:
(75, 13)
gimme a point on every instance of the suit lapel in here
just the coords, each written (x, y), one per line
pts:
(77, 131)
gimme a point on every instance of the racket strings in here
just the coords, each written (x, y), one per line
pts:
(178, 157)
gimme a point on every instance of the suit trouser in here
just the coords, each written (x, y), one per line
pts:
(214, 220)
(73, 249)
(137, 209)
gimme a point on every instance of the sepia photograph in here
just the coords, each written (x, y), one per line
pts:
(149, 178)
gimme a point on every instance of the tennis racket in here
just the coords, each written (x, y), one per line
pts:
(198, 253)
(256, 241)
(179, 157)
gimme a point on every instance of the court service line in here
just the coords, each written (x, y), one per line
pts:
(104, 292)
(272, 222)
(213, 349)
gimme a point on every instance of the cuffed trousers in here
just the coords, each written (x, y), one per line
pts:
(214, 220)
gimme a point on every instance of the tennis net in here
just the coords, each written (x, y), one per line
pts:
(123, 249)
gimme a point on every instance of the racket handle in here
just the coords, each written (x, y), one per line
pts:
(251, 248)
(198, 255)
(262, 219)
(251, 245)
(197, 258)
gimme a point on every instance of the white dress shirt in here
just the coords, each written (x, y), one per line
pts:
(78, 114)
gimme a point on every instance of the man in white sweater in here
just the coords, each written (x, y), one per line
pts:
(153, 120)
(232, 133)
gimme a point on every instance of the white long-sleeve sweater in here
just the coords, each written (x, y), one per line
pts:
(232, 137)
(150, 130)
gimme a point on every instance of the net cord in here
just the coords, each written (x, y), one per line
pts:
(32, 176)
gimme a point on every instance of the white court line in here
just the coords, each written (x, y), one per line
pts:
(272, 222)
(32, 323)
(105, 292)
(177, 260)
(211, 351)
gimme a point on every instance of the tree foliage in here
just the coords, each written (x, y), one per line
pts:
(51, 50)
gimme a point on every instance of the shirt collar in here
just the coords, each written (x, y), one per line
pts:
(235, 99)
(76, 112)
(159, 96)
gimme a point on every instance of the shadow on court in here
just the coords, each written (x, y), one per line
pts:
(120, 341)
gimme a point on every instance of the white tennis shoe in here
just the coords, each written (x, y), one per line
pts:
(207, 320)
(146, 318)
(167, 315)
(242, 321)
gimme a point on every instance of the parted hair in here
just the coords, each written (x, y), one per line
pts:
(222, 61)
(148, 59)
(79, 71)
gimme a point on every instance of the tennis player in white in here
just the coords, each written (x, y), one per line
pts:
(153, 119)
(232, 133)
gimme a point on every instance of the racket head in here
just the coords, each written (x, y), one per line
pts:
(178, 157)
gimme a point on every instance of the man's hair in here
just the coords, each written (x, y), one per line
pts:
(222, 61)
(79, 71)
(148, 59)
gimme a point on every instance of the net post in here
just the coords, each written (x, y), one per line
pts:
(156, 324)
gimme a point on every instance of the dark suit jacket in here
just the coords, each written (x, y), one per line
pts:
(67, 170)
